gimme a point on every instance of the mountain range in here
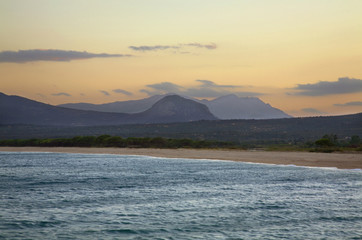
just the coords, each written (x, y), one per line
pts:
(225, 107)
(172, 108)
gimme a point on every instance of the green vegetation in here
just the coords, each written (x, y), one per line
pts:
(328, 143)
(116, 141)
(331, 143)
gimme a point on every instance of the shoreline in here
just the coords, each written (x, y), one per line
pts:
(307, 159)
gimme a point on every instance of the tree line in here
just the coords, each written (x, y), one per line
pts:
(328, 143)
(116, 141)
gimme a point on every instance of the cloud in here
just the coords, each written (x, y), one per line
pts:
(104, 92)
(23, 56)
(208, 83)
(312, 110)
(322, 88)
(206, 89)
(357, 103)
(152, 48)
(61, 94)
(177, 47)
(213, 93)
(148, 92)
(199, 45)
(166, 87)
(122, 92)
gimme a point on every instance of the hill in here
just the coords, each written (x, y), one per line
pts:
(288, 130)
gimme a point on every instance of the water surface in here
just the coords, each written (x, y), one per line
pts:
(80, 196)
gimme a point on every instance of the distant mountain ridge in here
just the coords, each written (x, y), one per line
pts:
(19, 110)
(225, 107)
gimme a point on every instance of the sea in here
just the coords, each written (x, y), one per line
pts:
(100, 196)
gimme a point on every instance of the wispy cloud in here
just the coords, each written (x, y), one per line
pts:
(145, 48)
(166, 87)
(199, 45)
(208, 83)
(348, 104)
(122, 92)
(152, 48)
(105, 93)
(23, 56)
(322, 88)
(61, 94)
(205, 89)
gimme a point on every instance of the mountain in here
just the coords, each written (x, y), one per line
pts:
(234, 107)
(19, 110)
(226, 107)
(132, 106)
(173, 108)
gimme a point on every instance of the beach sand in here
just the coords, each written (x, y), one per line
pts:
(337, 160)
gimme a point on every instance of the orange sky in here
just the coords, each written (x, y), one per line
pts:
(304, 57)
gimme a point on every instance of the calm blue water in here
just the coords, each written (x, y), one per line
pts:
(79, 196)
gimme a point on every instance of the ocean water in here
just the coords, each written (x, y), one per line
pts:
(80, 196)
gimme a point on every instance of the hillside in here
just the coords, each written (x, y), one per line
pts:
(289, 130)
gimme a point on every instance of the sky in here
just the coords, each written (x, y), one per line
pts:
(303, 57)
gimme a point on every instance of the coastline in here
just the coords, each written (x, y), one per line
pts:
(308, 159)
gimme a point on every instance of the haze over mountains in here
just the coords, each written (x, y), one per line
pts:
(225, 107)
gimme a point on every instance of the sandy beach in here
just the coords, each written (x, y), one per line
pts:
(338, 160)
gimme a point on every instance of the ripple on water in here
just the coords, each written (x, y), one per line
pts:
(79, 196)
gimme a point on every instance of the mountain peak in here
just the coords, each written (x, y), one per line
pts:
(174, 108)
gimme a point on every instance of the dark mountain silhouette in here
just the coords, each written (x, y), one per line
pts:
(132, 106)
(234, 107)
(174, 108)
(226, 107)
(19, 110)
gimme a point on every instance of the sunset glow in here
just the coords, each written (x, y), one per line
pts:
(303, 57)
